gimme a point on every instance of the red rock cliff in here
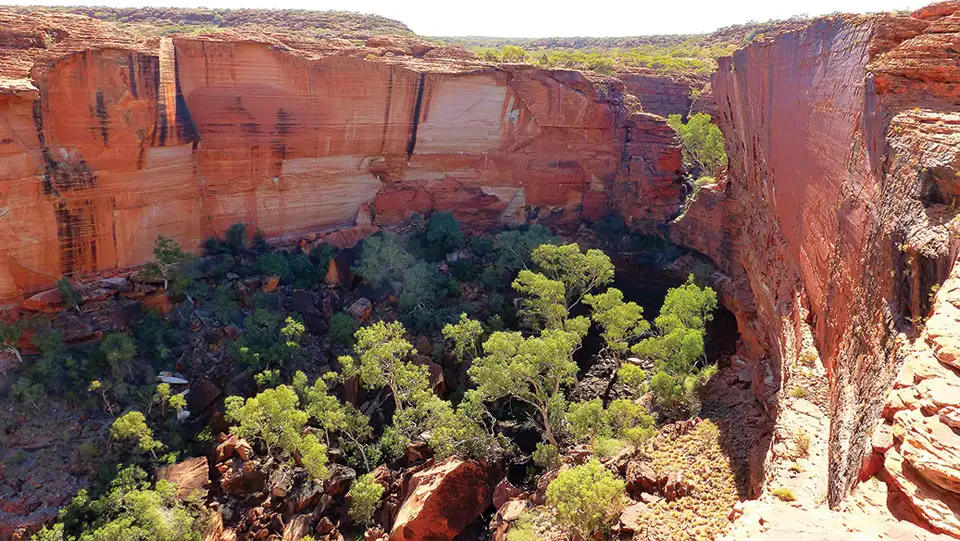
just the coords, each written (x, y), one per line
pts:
(109, 140)
(838, 214)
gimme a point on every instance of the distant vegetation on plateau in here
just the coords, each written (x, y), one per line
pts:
(170, 20)
(673, 53)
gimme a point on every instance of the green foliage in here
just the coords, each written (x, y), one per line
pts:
(677, 347)
(531, 369)
(620, 420)
(542, 304)
(156, 337)
(272, 418)
(383, 258)
(162, 396)
(132, 426)
(364, 496)
(119, 350)
(586, 420)
(633, 377)
(10, 334)
(465, 337)
(442, 236)
(296, 269)
(546, 455)
(784, 494)
(267, 378)
(172, 265)
(512, 53)
(382, 350)
(422, 290)
(268, 340)
(342, 328)
(588, 498)
(579, 272)
(69, 293)
(703, 146)
(620, 321)
(129, 510)
(236, 242)
(313, 456)
(512, 249)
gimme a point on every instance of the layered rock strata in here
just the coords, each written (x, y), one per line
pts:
(839, 212)
(109, 140)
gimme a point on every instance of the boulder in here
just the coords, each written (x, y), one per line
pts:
(203, 393)
(46, 301)
(630, 518)
(190, 475)
(640, 478)
(271, 283)
(442, 500)
(504, 492)
(341, 477)
(361, 309)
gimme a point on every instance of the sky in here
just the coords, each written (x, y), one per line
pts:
(539, 18)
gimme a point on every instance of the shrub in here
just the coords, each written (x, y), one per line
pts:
(441, 236)
(271, 417)
(132, 426)
(171, 264)
(546, 456)
(342, 328)
(799, 392)
(588, 499)
(68, 292)
(382, 259)
(784, 494)
(364, 498)
(802, 440)
(236, 241)
(130, 509)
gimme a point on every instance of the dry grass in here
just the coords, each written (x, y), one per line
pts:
(784, 494)
(703, 514)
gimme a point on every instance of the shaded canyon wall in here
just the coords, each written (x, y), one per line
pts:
(839, 210)
(109, 140)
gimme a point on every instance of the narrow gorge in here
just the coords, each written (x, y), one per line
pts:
(831, 236)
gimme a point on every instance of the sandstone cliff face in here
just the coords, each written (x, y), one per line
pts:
(109, 140)
(838, 213)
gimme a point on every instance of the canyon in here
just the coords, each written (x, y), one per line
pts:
(832, 237)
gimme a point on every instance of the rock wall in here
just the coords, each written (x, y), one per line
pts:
(838, 213)
(109, 140)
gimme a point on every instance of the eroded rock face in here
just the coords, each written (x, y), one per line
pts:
(843, 145)
(184, 136)
(442, 500)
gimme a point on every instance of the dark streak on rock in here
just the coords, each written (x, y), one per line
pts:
(103, 118)
(412, 144)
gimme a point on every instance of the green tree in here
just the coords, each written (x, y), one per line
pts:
(542, 304)
(465, 336)
(272, 418)
(534, 370)
(342, 328)
(703, 146)
(130, 510)
(133, 426)
(364, 496)
(442, 236)
(10, 334)
(119, 351)
(587, 420)
(580, 273)
(383, 258)
(313, 456)
(383, 351)
(620, 321)
(512, 53)
(169, 265)
(69, 293)
(588, 499)
(512, 249)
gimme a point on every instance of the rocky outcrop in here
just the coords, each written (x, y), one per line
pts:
(184, 136)
(442, 500)
(665, 94)
(838, 212)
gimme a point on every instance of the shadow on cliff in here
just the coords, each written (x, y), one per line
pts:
(746, 431)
